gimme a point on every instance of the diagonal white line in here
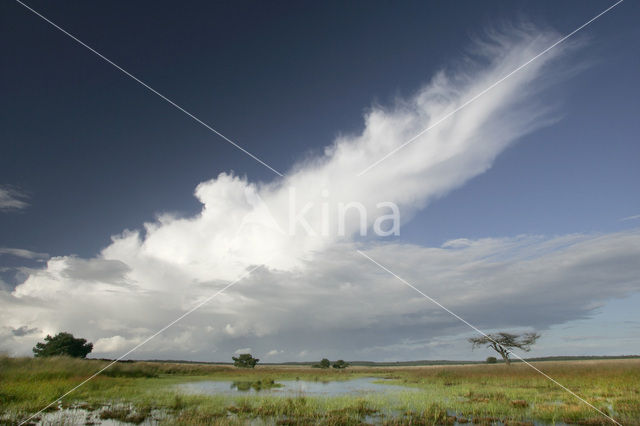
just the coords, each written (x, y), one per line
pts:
(487, 336)
(145, 85)
(189, 312)
(483, 92)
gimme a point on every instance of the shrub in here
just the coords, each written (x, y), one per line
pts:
(340, 364)
(245, 361)
(492, 360)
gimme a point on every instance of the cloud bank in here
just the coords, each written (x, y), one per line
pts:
(315, 296)
(339, 303)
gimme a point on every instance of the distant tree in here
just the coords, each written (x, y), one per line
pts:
(491, 360)
(324, 363)
(63, 344)
(245, 361)
(340, 364)
(504, 342)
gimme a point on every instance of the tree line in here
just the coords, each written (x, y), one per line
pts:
(503, 343)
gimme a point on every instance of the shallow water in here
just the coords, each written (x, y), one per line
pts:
(286, 388)
(80, 416)
(293, 387)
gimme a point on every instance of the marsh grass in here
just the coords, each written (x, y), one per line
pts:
(126, 414)
(479, 393)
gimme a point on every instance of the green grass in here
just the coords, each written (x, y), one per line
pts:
(131, 391)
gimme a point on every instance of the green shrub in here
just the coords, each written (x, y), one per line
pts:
(340, 364)
(324, 363)
(245, 361)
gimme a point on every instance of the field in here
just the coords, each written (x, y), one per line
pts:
(484, 394)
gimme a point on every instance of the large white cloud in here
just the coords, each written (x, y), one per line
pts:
(244, 223)
(316, 280)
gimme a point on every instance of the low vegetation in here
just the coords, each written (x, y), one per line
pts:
(482, 393)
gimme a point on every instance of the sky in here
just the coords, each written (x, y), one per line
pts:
(516, 208)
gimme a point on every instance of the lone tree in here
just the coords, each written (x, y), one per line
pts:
(63, 344)
(504, 342)
(245, 361)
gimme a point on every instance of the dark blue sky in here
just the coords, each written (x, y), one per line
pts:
(98, 153)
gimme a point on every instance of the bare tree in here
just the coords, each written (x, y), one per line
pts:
(504, 342)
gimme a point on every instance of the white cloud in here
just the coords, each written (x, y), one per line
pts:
(242, 351)
(113, 344)
(244, 223)
(12, 199)
(316, 296)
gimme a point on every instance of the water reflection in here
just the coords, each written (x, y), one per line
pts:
(292, 387)
(258, 385)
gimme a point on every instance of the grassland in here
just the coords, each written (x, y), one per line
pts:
(483, 393)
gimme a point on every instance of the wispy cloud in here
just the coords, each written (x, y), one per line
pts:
(634, 217)
(12, 199)
(25, 254)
